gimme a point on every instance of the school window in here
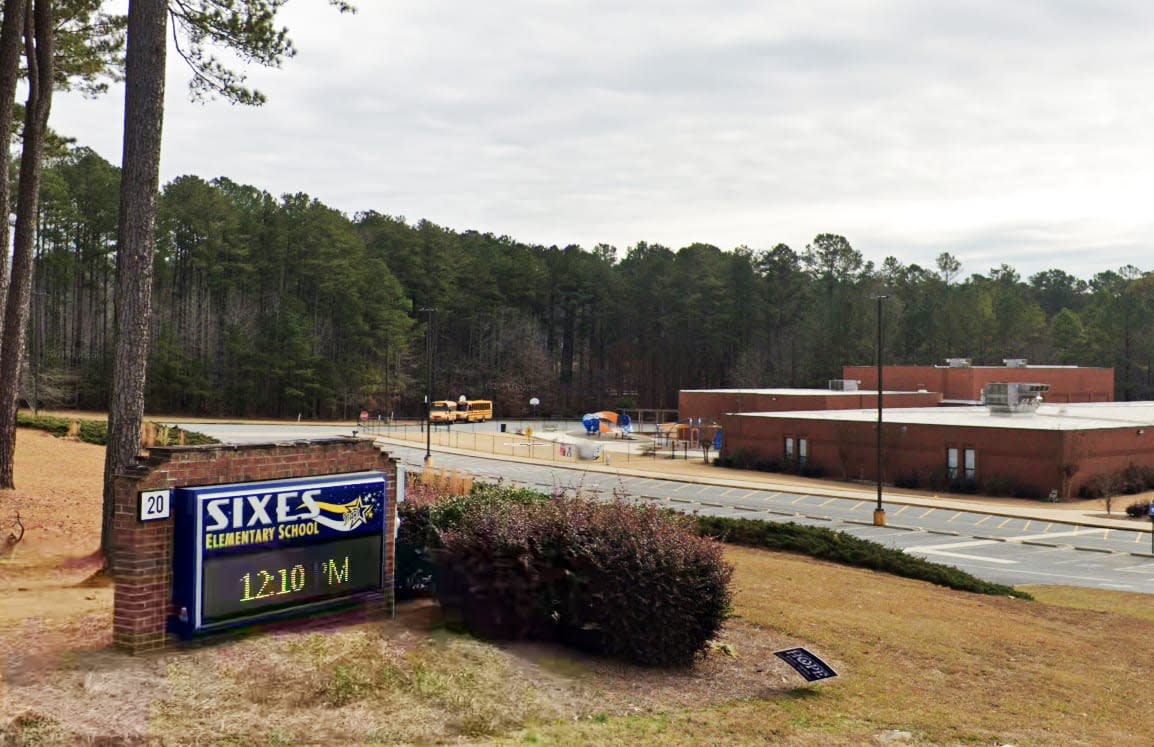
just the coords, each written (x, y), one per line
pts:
(789, 447)
(971, 464)
(961, 463)
(802, 450)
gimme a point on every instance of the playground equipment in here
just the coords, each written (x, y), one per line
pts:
(606, 421)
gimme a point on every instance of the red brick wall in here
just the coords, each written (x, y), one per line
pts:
(142, 551)
(1030, 458)
(1066, 384)
(709, 405)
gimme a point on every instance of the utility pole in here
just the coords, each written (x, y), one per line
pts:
(879, 512)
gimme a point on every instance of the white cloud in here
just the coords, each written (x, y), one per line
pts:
(1002, 132)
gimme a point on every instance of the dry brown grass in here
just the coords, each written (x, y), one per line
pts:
(918, 663)
(348, 685)
(943, 667)
(155, 434)
(443, 482)
(404, 681)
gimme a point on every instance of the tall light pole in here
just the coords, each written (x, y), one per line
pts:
(429, 384)
(879, 512)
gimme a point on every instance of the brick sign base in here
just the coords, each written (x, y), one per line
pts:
(142, 550)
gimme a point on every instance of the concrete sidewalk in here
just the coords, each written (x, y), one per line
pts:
(695, 470)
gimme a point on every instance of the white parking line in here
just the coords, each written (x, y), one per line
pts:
(963, 555)
(944, 549)
(952, 545)
(1051, 535)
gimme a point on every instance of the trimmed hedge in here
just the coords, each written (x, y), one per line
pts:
(96, 431)
(745, 459)
(839, 547)
(632, 582)
(54, 425)
(88, 431)
(1138, 509)
(420, 524)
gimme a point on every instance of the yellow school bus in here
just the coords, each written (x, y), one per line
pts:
(475, 411)
(443, 411)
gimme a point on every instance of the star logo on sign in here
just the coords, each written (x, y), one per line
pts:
(357, 513)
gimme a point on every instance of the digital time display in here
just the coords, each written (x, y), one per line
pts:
(242, 584)
(245, 552)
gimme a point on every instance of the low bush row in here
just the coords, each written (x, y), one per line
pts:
(89, 431)
(743, 459)
(96, 431)
(840, 547)
(1128, 481)
(993, 485)
(938, 479)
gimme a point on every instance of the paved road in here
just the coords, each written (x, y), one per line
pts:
(1005, 549)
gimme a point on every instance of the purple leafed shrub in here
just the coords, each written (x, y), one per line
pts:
(632, 582)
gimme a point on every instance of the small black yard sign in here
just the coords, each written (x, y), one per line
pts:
(806, 664)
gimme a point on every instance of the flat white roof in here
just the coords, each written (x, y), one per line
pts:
(1081, 416)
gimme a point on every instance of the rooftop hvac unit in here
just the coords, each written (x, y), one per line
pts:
(1013, 397)
(958, 362)
(844, 385)
(1014, 362)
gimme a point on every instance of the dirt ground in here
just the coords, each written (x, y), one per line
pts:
(43, 606)
(57, 496)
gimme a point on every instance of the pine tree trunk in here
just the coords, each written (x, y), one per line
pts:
(39, 54)
(11, 37)
(139, 185)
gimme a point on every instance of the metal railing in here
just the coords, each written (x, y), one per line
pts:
(524, 441)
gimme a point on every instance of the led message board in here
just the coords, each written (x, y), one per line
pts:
(247, 552)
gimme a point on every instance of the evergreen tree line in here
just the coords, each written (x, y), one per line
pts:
(284, 307)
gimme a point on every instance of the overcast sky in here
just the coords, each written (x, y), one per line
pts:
(1018, 132)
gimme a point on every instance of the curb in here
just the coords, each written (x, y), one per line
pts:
(1057, 516)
